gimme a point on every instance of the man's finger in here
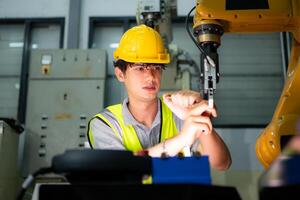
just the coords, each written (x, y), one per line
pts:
(200, 108)
(202, 121)
(167, 96)
(168, 100)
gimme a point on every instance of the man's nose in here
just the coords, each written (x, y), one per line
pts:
(150, 71)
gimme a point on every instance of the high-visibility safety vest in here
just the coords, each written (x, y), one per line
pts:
(130, 139)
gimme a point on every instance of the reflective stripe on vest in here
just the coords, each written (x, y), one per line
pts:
(129, 137)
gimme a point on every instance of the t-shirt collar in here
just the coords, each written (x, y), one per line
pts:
(129, 119)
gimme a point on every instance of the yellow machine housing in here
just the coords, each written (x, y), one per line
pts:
(274, 16)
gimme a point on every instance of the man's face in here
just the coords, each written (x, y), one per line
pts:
(142, 81)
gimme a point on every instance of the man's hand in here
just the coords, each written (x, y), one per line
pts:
(182, 102)
(195, 111)
(196, 123)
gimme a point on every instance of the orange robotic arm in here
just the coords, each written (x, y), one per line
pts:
(240, 16)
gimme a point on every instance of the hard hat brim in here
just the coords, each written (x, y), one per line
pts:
(165, 60)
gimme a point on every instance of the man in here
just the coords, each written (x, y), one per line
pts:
(143, 121)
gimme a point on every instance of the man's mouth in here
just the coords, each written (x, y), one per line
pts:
(150, 87)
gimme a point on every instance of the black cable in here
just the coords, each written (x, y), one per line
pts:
(190, 34)
(29, 180)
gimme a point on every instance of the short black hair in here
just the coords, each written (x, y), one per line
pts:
(121, 64)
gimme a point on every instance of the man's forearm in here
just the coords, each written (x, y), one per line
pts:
(213, 146)
(170, 146)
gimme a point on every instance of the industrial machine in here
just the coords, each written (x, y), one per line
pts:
(283, 176)
(158, 15)
(213, 18)
(66, 88)
(10, 178)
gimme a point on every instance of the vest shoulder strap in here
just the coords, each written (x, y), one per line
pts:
(104, 120)
(168, 125)
(130, 138)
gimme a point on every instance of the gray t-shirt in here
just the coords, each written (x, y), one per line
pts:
(105, 137)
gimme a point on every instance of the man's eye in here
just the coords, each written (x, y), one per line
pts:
(140, 69)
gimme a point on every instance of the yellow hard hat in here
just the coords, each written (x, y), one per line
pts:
(142, 44)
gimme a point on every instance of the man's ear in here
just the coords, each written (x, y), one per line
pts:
(119, 74)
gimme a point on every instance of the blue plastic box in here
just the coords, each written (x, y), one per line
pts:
(187, 170)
